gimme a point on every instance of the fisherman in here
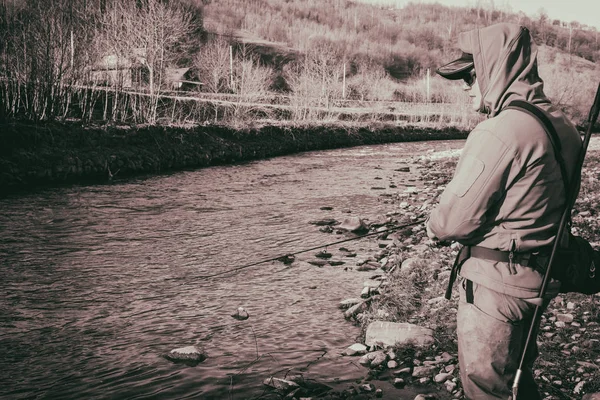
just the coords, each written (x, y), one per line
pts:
(504, 205)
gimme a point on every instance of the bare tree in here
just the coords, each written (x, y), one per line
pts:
(146, 32)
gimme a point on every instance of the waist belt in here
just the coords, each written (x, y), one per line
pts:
(535, 260)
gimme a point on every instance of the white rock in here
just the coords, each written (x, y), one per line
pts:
(356, 349)
(353, 224)
(387, 333)
(280, 384)
(392, 364)
(345, 304)
(579, 387)
(189, 353)
(355, 309)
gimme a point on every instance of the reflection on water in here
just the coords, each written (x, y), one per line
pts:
(98, 282)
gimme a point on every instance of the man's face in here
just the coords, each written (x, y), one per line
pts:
(474, 93)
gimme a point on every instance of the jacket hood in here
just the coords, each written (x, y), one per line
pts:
(505, 60)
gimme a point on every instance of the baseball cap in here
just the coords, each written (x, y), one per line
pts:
(458, 68)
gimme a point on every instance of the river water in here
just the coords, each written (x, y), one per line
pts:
(99, 282)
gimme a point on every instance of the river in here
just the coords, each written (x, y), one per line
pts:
(100, 281)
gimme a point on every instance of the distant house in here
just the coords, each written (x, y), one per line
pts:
(180, 79)
(119, 70)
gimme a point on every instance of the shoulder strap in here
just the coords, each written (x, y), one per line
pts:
(541, 116)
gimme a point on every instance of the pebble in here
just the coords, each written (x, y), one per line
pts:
(392, 364)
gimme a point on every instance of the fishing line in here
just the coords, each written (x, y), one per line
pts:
(282, 257)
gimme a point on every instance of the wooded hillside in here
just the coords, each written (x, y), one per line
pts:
(241, 60)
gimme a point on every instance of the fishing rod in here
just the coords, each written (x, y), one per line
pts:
(535, 320)
(286, 257)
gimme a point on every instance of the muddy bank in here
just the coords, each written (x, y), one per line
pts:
(56, 153)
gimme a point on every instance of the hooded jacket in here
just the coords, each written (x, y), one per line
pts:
(507, 192)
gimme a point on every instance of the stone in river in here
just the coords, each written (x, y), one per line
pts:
(353, 224)
(194, 354)
(322, 222)
(280, 384)
(240, 314)
(323, 254)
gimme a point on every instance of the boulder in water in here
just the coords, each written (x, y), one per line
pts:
(190, 355)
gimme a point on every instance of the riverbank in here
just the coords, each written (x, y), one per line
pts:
(34, 155)
(410, 275)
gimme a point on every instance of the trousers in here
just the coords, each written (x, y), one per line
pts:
(492, 329)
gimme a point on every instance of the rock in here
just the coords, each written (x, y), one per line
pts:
(579, 387)
(378, 359)
(443, 377)
(403, 371)
(334, 263)
(592, 396)
(409, 265)
(392, 364)
(365, 361)
(355, 349)
(445, 357)
(365, 292)
(367, 388)
(280, 384)
(240, 314)
(355, 309)
(450, 386)
(326, 229)
(353, 224)
(424, 371)
(345, 304)
(368, 266)
(397, 333)
(568, 318)
(379, 393)
(189, 353)
(560, 324)
(318, 263)
(372, 283)
(323, 222)
(399, 383)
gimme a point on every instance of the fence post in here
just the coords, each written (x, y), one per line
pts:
(231, 67)
(428, 86)
(344, 82)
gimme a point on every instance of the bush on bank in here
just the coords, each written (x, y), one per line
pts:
(60, 152)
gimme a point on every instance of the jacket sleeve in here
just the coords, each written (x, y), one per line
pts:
(485, 168)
